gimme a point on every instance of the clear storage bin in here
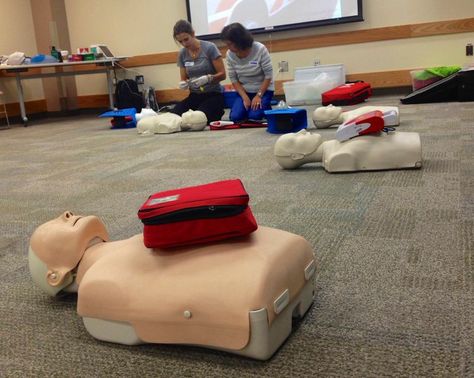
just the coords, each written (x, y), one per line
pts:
(422, 78)
(311, 82)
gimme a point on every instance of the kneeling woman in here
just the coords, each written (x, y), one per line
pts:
(201, 69)
(250, 70)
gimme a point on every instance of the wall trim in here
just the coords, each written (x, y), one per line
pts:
(385, 79)
(34, 106)
(332, 39)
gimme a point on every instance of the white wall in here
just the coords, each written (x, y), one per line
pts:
(150, 25)
(389, 55)
(139, 27)
(17, 34)
(128, 27)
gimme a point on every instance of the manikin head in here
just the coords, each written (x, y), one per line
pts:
(57, 246)
(326, 116)
(294, 149)
(193, 120)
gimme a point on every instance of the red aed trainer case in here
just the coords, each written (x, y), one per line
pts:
(196, 214)
(347, 94)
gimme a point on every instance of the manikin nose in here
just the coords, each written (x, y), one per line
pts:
(68, 214)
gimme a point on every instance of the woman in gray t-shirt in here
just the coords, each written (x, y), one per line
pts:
(250, 70)
(201, 69)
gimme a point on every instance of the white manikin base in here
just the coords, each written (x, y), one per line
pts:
(393, 150)
(264, 339)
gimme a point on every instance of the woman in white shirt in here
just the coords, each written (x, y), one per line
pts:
(250, 71)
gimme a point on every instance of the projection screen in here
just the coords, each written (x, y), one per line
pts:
(210, 16)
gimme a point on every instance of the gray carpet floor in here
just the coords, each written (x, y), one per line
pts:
(395, 280)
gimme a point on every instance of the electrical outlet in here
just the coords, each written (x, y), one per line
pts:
(316, 62)
(469, 49)
(283, 66)
(139, 79)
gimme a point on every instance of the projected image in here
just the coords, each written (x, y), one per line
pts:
(210, 16)
(269, 13)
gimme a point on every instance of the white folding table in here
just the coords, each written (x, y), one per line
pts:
(22, 72)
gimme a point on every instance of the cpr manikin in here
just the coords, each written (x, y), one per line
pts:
(325, 116)
(238, 295)
(144, 113)
(193, 120)
(391, 150)
(162, 123)
(167, 123)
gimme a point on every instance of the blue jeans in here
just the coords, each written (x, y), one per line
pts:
(239, 113)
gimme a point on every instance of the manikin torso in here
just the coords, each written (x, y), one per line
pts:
(217, 284)
(393, 150)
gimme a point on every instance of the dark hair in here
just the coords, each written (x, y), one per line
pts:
(182, 26)
(238, 35)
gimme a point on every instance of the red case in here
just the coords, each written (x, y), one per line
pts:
(347, 94)
(242, 125)
(196, 214)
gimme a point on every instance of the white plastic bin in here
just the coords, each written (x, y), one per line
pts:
(311, 82)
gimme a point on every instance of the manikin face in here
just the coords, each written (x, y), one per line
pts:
(297, 145)
(327, 113)
(61, 242)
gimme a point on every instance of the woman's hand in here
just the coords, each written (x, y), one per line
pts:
(256, 103)
(184, 84)
(247, 102)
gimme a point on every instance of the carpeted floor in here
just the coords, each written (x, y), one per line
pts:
(395, 281)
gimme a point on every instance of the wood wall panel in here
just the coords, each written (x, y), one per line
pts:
(150, 59)
(102, 101)
(386, 79)
(170, 95)
(93, 101)
(465, 25)
(334, 39)
(35, 106)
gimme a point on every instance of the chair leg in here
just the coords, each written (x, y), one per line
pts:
(6, 114)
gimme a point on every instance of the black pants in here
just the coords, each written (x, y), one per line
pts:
(211, 104)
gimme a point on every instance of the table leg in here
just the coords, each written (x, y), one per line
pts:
(110, 87)
(21, 99)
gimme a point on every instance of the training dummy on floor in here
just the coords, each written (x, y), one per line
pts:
(167, 123)
(383, 150)
(325, 116)
(237, 295)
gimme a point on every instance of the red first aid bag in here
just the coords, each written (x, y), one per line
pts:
(196, 214)
(347, 94)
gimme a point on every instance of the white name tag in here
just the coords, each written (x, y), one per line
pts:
(154, 201)
(188, 64)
